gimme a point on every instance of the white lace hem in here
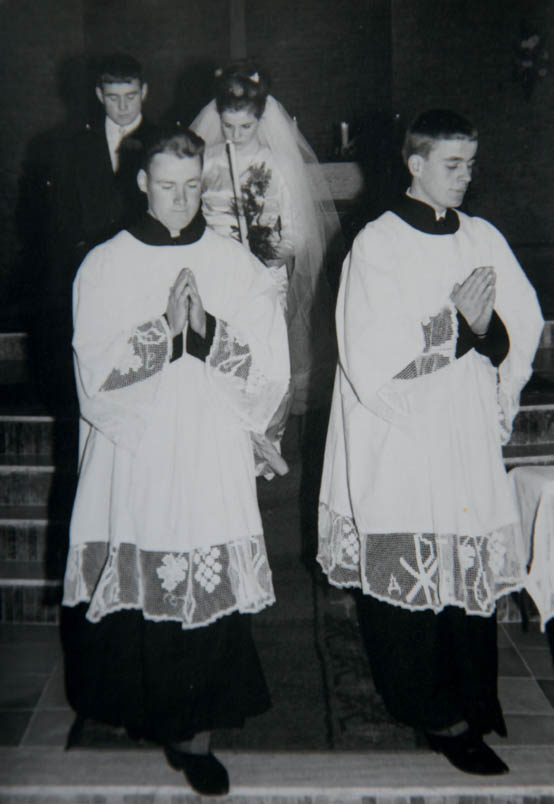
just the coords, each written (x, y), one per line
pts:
(419, 571)
(195, 588)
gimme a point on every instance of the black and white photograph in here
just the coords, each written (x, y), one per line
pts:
(277, 401)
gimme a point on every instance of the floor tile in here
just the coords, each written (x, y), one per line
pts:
(53, 695)
(504, 640)
(526, 730)
(12, 726)
(29, 657)
(510, 663)
(539, 660)
(520, 696)
(49, 727)
(531, 638)
(29, 633)
(102, 736)
(547, 687)
(21, 691)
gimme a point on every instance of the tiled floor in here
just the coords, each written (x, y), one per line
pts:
(34, 710)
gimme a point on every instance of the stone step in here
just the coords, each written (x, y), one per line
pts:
(29, 600)
(24, 434)
(33, 480)
(33, 544)
(534, 424)
(38, 434)
(14, 346)
(47, 774)
(528, 455)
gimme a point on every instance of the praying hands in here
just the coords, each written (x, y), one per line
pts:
(475, 298)
(184, 305)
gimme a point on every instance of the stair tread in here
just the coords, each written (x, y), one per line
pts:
(36, 462)
(26, 513)
(286, 776)
(13, 573)
(520, 450)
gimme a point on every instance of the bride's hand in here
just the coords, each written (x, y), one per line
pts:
(283, 251)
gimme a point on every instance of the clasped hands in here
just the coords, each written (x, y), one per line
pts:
(184, 305)
(475, 298)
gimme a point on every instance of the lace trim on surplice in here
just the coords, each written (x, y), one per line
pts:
(195, 587)
(146, 354)
(422, 570)
(440, 334)
(252, 395)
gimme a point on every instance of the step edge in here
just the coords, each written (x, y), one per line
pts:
(29, 467)
(29, 417)
(28, 582)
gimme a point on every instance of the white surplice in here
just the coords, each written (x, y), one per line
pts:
(166, 518)
(415, 507)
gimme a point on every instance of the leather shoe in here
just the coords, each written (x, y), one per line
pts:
(468, 752)
(204, 772)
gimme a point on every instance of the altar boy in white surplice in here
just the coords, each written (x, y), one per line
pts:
(437, 330)
(180, 353)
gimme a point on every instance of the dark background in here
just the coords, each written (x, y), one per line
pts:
(374, 63)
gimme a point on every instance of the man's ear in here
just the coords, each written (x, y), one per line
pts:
(144, 92)
(415, 164)
(142, 180)
(100, 95)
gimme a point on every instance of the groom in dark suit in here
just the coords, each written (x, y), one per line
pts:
(94, 196)
(97, 193)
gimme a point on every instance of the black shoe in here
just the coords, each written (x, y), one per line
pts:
(468, 752)
(204, 772)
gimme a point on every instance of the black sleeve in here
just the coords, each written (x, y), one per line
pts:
(197, 346)
(495, 344)
(176, 347)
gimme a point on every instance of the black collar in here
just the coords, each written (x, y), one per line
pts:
(421, 216)
(150, 231)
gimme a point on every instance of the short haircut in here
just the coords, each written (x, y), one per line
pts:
(432, 126)
(175, 140)
(241, 86)
(118, 68)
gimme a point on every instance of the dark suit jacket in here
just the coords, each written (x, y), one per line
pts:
(92, 202)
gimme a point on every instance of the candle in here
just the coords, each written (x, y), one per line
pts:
(231, 155)
(343, 135)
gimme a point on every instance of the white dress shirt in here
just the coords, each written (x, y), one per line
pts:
(114, 135)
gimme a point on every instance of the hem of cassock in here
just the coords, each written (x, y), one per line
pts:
(433, 670)
(160, 682)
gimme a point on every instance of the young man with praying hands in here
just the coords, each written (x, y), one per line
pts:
(181, 352)
(437, 330)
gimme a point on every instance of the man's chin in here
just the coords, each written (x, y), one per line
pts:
(177, 222)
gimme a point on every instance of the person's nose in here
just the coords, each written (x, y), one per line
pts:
(122, 104)
(180, 197)
(464, 175)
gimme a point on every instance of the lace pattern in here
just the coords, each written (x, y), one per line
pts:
(196, 587)
(147, 353)
(440, 334)
(419, 571)
(253, 396)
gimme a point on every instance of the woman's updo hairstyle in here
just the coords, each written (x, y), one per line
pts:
(241, 86)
